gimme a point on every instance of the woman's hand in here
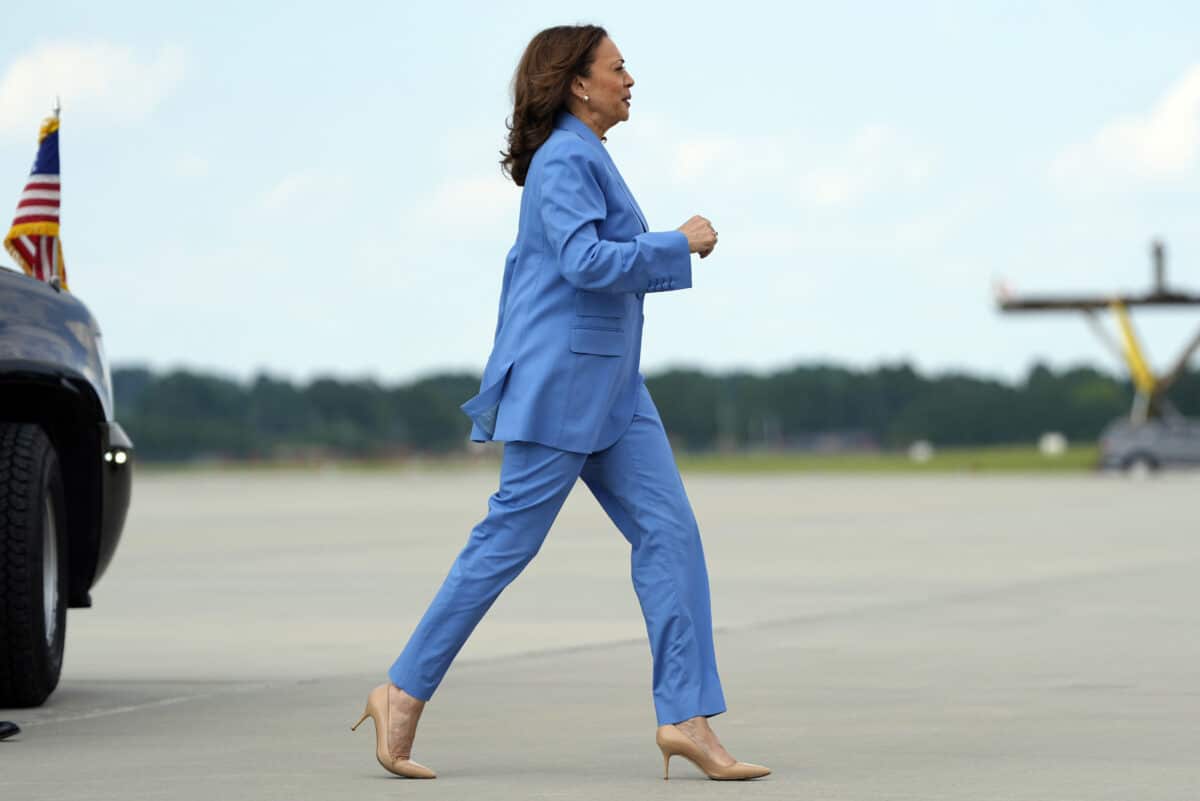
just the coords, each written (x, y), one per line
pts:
(700, 235)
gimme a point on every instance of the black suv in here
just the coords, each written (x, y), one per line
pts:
(65, 475)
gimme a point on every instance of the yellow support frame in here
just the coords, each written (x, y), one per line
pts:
(1139, 368)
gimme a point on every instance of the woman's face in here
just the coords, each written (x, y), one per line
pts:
(608, 87)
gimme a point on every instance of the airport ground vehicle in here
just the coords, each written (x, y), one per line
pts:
(65, 478)
(1155, 434)
(1144, 447)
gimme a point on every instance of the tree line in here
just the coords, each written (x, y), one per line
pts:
(184, 415)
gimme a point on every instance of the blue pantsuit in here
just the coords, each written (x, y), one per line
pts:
(562, 390)
(636, 482)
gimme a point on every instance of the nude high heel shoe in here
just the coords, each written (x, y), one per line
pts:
(672, 742)
(378, 711)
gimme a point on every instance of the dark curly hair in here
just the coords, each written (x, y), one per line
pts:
(540, 88)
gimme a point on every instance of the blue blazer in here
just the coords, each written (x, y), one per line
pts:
(564, 365)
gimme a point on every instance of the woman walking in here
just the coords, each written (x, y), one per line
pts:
(563, 392)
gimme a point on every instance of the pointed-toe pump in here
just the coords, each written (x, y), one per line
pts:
(378, 711)
(672, 742)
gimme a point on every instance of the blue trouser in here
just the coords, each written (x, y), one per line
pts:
(638, 484)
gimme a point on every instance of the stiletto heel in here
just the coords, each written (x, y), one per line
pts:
(671, 741)
(378, 711)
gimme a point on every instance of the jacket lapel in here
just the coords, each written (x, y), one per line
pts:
(613, 169)
(569, 122)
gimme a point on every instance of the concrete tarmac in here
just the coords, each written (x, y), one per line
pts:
(880, 637)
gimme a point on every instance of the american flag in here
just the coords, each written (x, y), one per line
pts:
(33, 239)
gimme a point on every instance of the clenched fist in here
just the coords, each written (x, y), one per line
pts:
(700, 235)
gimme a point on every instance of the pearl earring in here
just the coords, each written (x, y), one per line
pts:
(585, 98)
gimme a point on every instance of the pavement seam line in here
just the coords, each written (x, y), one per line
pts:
(176, 699)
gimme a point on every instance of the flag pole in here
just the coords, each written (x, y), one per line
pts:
(57, 279)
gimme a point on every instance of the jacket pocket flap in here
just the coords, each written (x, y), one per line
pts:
(598, 341)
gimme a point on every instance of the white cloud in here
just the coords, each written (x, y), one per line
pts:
(474, 201)
(190, 165)
(1161, 144)
(304, 188)
(728, 158)
(92, 79)
(928, 231)
(875, 158)
(695, 157)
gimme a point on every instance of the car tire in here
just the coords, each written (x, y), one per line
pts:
(1141, 465)
(33, 566)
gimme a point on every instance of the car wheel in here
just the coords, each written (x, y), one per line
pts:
(33, 566)
(1141, 465)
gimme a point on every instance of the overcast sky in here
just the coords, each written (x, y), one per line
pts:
(313, 188)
